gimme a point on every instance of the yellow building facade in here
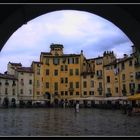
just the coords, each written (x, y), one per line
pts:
(61, 73)
(60, 76)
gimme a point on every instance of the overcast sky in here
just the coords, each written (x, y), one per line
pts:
(76, 30)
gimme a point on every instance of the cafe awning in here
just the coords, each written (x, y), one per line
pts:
(134, 97)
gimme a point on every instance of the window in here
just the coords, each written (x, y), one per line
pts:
(131, 74)
(84, 76)
(100, 92)
(55, 86)
(70, 60)
(116, 90)
(38, 71)
(91, 75)
(6, 91)
(77, 84)
(131, 86)
(66, 68)
(62, 80)
(71, 72)
(108, 90)
(84, 84)
(91, 93)
(77, 93)
(56, 61)
(63, 60)
(22, 82)
(21, 91)
(55, 72)
(22, 73)
(123, 66)
(100, 73)
(47, 61)
(38, 83)
(123, 76)
(47, 84)
(66, 93)
(123, 86)
(85, 93)
(92, 83)
(14, 83)
(138, 87)
(62, 68)
(76, 71)
(107, 67)
(62, 93)
(47, 71)
(71, 84)
(71, 93)
(30, 82)
(130, 63)
(38, 93)
(13, 92)
(30, 91)
(100, 84)
(66, 80)
(108, 79)
(76, 60)
(6, 82)
(98, 61)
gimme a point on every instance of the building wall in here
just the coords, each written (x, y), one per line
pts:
(37, 83)
(25, 89)
(8, 89)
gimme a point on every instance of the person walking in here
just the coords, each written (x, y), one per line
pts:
(77, 106)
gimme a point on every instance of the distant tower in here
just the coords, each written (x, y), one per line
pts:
(108, 57)
(56, 49)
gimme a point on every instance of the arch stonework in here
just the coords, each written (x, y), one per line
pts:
(20, 14)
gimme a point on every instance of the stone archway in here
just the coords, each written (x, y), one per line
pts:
(24, 13)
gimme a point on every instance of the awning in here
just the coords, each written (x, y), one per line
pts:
(115, 98)
(88, 98)
(134, 97)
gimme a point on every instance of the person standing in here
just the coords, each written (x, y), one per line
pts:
(77, 106)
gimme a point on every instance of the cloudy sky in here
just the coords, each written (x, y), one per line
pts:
(76, 30)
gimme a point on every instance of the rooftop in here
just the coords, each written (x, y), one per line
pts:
(7, 76)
